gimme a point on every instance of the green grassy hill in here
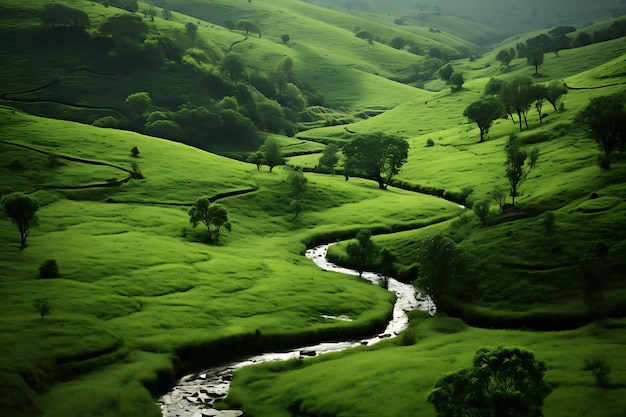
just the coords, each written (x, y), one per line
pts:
(142, 297)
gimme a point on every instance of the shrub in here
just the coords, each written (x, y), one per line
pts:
(481, 208)
(134, 152)
(107, 121)
(49, 269)
(430, 142)
(600, 369)
(42, 306)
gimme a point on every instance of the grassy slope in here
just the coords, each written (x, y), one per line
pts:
(175, 279)
(523, 271)
(129, 274)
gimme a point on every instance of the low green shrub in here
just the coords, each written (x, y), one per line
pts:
(49, 269)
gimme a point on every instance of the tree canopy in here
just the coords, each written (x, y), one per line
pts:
(503, 381)
(21, 209)
(363, 251)
(273, 155)
(203, 211)
(483, 112)
(606, 119)
(377, 155)
(442, 264)
(58, 14)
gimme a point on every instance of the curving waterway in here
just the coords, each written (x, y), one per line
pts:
(194, 395)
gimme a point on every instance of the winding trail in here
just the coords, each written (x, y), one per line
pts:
(195, 395)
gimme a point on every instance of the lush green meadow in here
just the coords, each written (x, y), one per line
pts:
(143, 298)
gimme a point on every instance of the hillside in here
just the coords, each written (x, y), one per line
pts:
(143, 296)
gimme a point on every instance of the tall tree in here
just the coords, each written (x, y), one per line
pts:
(535, 58)
(192, 31)
(517, 96)
(515, 160)
(503, 381)
(203, 211)
(504, 57)
(554, 92)
(233, 66)
(273, 156)
(298, 184)
(363, 251)
(606, 119)
(483, 112)
(539, 93)
(378, 156)
(21, 209)
(329, 156)
(441, 264)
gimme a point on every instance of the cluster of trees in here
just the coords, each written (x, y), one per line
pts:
(514, 98)
(557, 40)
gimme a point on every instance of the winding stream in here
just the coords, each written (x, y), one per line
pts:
(195, 394)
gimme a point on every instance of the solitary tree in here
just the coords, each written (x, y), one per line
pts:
(441, 264)
(505, 381)
(363, 251)
(299, 185)
(233, 66)
(273, 156)
(43, 307)
(504, 57)
(398, 43)
(247, 26)
(606, 119)
(329, 156)
(554, 92)
(21, 209)
(58, 14)
(378, 156)
(515, 160)
(445, 72)
(285, 38)
(456, 80)
(483, 113)
(539, 93)
(364, 34)
(535, 58)
(209, 214)
(257, 158)
(192, 31)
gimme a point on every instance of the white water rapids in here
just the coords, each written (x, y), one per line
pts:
(195, 394)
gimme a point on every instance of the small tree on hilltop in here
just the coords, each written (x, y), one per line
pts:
(21, 209)
(363, 251)
(515, 160)
(483, 113)
(505, 381)
(209, 214)
(379, 156)
(273, 156)
(441, 263)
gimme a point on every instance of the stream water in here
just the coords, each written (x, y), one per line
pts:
(194, 395)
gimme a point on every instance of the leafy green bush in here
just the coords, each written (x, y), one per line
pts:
(106, 121)
(49, 269)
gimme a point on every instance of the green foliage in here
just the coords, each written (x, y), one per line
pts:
(504, 57)
(233, 66)
(247, 26)
(494, 86)
(516, 158)
(125, 27)
(517, 97)
(483, 113)
(446, 72)
(21, 209)
(134, 152)
(442, 265)
(42, 306)
(600, 369)
(211, 215)
(482, 210)
(555, 91)
(503, 381)
(257, 158)
(298, 185)
(139, 103)
(362, 252)
(377, 155)
(192, 31)
(367, 35)
(329, 156)
(273, 155)
(285, 38)
(534, 57)
(605, 118)
(49, 269)
(58, 14)
(106, 121)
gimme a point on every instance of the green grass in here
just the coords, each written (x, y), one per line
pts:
(141, 298)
